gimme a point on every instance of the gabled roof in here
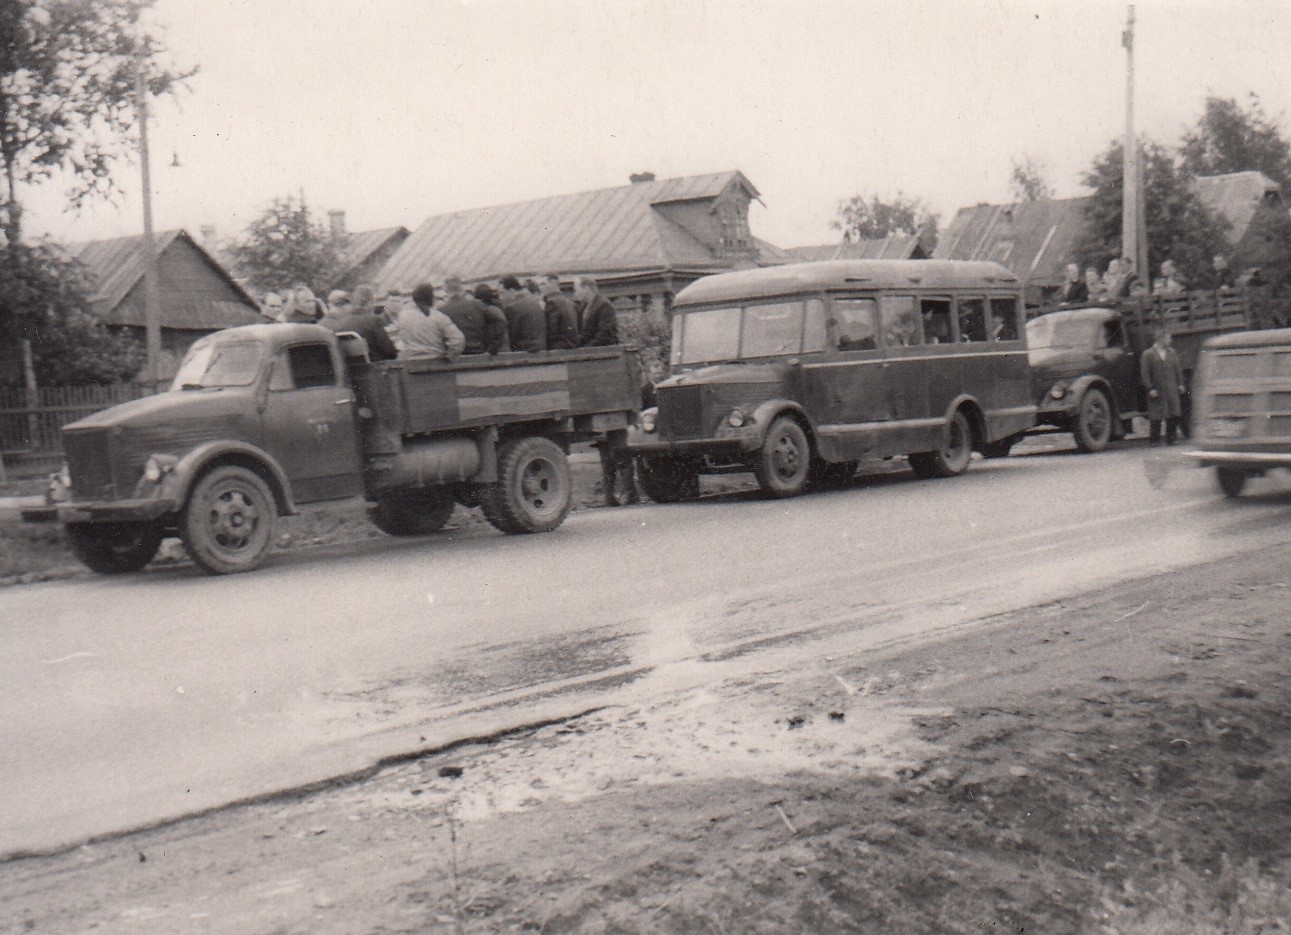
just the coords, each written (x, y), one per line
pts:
(1234, 197)
(117, 265)
(609, 231)
(891, 247)
(1032, 238)
(360, 245)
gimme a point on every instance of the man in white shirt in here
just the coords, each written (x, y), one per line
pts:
(425, 331)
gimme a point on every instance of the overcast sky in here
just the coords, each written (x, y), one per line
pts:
(395, 110)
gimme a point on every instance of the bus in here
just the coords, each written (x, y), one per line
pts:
(799, 372)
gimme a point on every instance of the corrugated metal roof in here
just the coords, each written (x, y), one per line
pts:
(1234, 197)
(1032, 238)
(613, 230)
(891, 247)
(797, 278)
(117, 265)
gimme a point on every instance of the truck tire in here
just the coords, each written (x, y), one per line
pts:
(534, 490)
(1232, 481)
(668, 480)
(227, 523)
(951, 460)
(783, 464)
(114, 548)
(1092, 428)
(832, 475)
(412, 512)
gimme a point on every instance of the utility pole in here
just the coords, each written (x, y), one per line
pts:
(151, 281)
(1133, 221)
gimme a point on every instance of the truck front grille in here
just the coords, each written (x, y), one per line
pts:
(681, 412)
(89, 460)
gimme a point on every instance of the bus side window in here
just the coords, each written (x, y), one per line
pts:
(856, 324)
(813, 329)
(1004, 319)
(900, 326)
(935, 314)
(1112, 337)
(972, 319)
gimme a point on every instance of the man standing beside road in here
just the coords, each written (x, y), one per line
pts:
(526, 321)
(597, 320)
(426, 331)
(1163, 379)
(484, 326)
(562, 319)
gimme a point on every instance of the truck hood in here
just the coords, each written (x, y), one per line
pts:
(1051, 364)
(728, 374)
(167, 411)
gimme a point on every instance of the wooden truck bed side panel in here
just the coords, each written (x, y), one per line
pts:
(419, 397)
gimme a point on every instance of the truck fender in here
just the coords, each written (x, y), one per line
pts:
(1081, 385)
(191, 466)
(767, 412)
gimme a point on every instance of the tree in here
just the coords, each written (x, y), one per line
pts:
(67, 93)
(44, 302)
(284, 245)
(1230, 138)
(1027, 182)
(1179, 227)
(861, 218)
(1266, 247)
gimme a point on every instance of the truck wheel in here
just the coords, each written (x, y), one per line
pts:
(1231, 481)
(829, 475)
(114, 548)
(1093, 428)
(534, 490)
(951, 460)
(784, 463)
(668, 480)
(227, 524)
(412, 512)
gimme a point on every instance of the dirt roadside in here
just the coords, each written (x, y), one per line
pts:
(1117, 764)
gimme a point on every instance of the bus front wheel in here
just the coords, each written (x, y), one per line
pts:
(783, 464)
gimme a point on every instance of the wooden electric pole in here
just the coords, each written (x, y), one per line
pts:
(151, 283)
(1133, 221)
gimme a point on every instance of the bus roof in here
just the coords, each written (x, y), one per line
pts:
(831, 275)
(1239, 339)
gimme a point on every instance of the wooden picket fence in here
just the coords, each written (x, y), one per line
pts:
(30, 435)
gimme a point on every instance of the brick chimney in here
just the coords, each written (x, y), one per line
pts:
(637, 177)
(337, 219)
(208, 233)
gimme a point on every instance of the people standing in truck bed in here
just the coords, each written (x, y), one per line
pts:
(484, 326)
(425, 331)
(526, 321)
(562, 318)
(598, 324)
(347, 317)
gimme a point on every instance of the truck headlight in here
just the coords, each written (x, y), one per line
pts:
(1059, 391)
(157, 467)
(648, 419)
(65, 476)
(736, 419)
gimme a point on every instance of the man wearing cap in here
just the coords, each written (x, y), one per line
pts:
(426, 331)
(562, 320)
(483, 326)
(345, 317)
(526, 321)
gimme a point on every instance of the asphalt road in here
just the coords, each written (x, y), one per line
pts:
(133, 700)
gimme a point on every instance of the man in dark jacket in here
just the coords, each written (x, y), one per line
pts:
(598, 323)
(1162, 378)
(526, 321)
(484, 326)
(369, 328)
(562, 319)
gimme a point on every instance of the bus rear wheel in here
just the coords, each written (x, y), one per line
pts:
(412, 512)
(668, 480)
(114, 548)
(1231, 481)
(951, 460)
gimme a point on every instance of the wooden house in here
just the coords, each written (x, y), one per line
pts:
(891, 247)
(198, 295)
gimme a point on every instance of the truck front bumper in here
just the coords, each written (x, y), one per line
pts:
(1261, 460)
(109, 511)
(729, 442)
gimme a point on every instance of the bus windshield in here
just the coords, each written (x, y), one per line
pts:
(1058, 330)
(724, 334)
(211, 365)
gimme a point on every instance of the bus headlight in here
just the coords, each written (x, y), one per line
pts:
(649, 418)
(736, 419)
(1059, 391)
(157, 467)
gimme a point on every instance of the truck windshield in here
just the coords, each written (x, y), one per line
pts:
(1052, 331)
(211, 365)
(716, 334)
